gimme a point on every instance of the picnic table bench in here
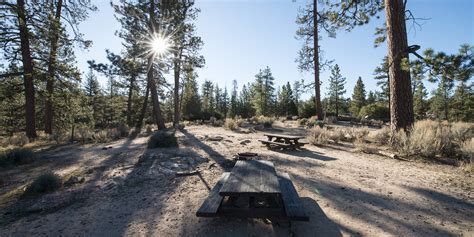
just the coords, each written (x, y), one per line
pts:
(283, 141)
(253, 189)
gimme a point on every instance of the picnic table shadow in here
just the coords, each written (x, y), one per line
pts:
(318, 225)
(306, 153)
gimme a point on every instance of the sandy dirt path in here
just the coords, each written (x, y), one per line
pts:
(130, 191)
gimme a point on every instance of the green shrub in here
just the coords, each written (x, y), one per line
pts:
(375, 111)
(163, 138)
(17, 156)
(47, 182)
(19, 139)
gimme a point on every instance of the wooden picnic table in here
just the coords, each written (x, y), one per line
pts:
(283, 141)
(254, 189)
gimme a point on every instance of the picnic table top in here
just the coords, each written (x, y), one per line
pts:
(283, 136)
(254, 177)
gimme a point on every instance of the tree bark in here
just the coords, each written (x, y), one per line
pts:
(30, 118)
(317, 84)
(401, 97)
(159, 121)
(177, 66)
(48, 105)
(139, 124)
(129, 100)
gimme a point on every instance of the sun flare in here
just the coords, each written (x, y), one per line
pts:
(160, 45)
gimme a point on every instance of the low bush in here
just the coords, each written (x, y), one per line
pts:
(47, 182)
(84, 134)
(232, 124)
(318, 136)
(313, 121)
(17, 156)
(381, 136)
(375, 111)
(462, 132)
(18, 140)
(149, 129)
(303, 121)
(101, 137)
(163, 138)
(123, 130)
(267, 122)
(354, 134)
(467, 149)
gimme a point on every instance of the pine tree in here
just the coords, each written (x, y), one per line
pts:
(419, 100)
(336, 89)
(208, 99)
(383, 81)
(263, 90)
(191, 100)
(286, 102)
(233, 111)
(371, 98)
(358, 98)
(462, 103)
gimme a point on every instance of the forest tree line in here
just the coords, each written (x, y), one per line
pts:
(42, 88)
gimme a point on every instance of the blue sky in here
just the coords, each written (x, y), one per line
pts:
(242, 36)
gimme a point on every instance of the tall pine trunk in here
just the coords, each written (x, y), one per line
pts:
(176, 113)
(48, 105)
(129, 100)
(401, 97)
(139, 124)
(30, 119)
(159, 121)
(317, 84)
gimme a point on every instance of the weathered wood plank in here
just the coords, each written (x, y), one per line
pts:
(210, 206)
(283, 136)
(294, 208)
(275, 143)
(254, 177)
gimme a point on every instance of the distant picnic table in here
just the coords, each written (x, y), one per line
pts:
(254, 189)
(283, 141)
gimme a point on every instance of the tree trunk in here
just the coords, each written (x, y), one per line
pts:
(30, 119)
(129, 100)
(177, 66)
(139, 124)
(48, 105)
(159, 121)
(317, 84)
(401, 97)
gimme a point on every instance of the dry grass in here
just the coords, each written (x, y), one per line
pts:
(431, 138)
(232, 124)
(318, 136)
(381, 136)
(267, 122)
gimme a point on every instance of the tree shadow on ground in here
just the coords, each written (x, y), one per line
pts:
(306, 153)
(393, 216)
(224, 163)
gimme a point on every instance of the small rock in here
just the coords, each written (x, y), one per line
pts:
(245, 142)
(74, 180)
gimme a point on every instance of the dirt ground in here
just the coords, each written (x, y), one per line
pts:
(131, 191)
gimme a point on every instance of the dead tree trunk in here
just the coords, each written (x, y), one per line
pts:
(48, 105)
(30, 119)
(317, 84)
(401, 97)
